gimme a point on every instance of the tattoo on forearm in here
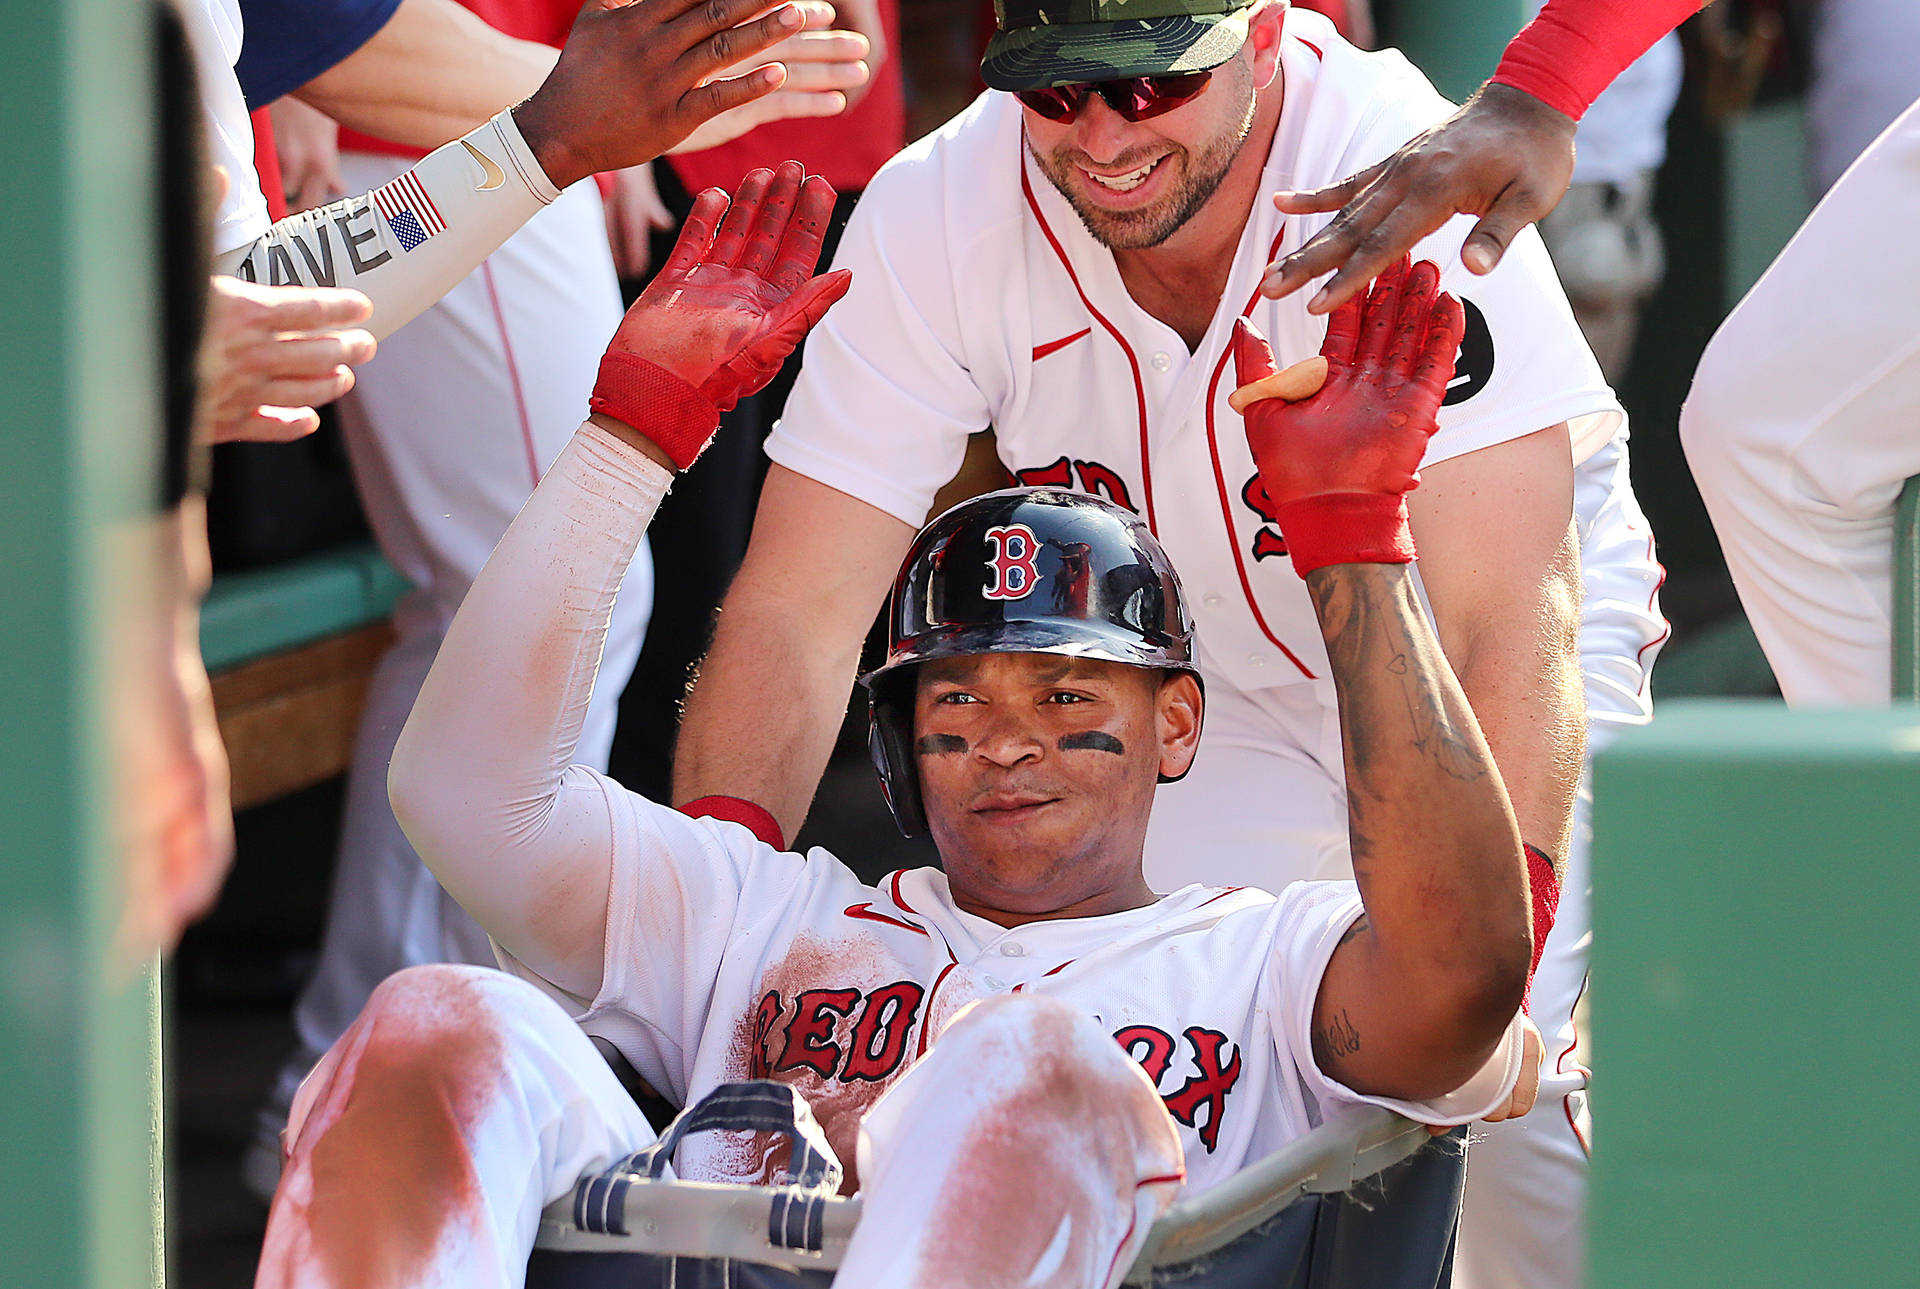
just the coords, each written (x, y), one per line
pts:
(1092, 741)
(939, 744)
(1340, 1037)
(1368, 640)
(1436, 734)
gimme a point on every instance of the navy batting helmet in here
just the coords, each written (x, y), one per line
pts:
(1026, 570)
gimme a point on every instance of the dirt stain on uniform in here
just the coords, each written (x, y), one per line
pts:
(391, 1177)
(1068, 1135)
(758, 1041)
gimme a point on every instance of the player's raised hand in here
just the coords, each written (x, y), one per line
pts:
(634, 79)
(1337, 465)
(735, 296)
(1506, 157)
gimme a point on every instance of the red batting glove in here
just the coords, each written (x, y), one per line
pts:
(1338, 465)
(724, 311)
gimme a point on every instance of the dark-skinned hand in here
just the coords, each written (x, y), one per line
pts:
(635, 79)
(1506, 157)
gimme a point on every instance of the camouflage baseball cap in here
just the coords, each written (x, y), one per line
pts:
(1061, 42)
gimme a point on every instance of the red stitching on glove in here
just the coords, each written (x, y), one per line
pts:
(757, 819)
(657, 403)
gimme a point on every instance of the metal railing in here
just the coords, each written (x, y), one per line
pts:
(708, 1220)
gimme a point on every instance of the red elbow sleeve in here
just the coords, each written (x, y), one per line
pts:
(1543, 887)
(756, 818)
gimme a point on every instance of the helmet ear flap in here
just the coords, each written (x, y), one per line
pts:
(890, 743)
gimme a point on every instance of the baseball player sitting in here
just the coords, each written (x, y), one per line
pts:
(1064, 263)
(1021, 1058)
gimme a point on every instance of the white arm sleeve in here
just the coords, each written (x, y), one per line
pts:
(482, 779)
(409, 241)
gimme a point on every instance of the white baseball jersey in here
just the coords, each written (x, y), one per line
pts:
(727, 960)
(724, 959)
(979, 299)
(214, 31)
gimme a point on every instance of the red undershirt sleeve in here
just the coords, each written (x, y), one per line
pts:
(1574, 49)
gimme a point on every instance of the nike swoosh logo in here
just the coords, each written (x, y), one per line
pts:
(1055, 346)
(865, 910)
(491, 174)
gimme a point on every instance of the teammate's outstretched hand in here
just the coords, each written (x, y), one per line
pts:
(721, 316)
(826, 70)
(1337, 465)
(271, 354)
(1506, 157)
(635, 79)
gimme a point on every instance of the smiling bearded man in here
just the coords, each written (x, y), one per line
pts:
(1153, 190)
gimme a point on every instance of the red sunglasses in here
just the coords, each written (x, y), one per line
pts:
(1138, 98)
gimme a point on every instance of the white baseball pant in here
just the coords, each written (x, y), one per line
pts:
(448, 429)
(1804, 422)
(1025, 1148)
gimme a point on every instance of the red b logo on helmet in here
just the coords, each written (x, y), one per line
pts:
(1014, 575)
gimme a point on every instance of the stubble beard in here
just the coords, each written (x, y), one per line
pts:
(1201, 175)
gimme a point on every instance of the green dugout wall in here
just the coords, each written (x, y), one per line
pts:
(78, 446)
(1756, 898)
(1456, 44)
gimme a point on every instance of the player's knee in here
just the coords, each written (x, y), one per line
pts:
(434, 993)
(421, 1016)
(1050, 1043)
(1034, 1023)
(429, 1038)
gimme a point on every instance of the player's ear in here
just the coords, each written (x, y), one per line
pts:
(1177, 709)
(1263, 38)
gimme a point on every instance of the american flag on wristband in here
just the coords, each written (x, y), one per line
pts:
(409, 212)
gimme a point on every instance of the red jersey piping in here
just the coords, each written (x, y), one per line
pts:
(1226, 499)
(1139, 387)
